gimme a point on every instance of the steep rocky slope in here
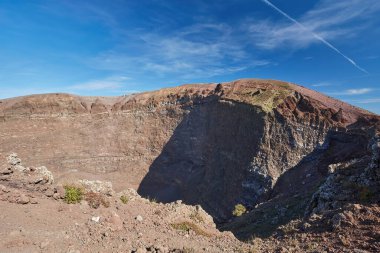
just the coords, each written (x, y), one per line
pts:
(250, 141)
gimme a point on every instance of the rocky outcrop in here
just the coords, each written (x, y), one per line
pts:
(97, 186)
(354, 181)
(18, 183)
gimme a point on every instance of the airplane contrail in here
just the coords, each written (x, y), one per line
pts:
(318, 37)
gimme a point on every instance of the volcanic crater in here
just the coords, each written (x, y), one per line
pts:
(262, 143)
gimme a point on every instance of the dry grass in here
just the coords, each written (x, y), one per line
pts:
(188, 226)
(96, 199)
(196, 217)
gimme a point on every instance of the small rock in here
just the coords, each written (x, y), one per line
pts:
(38, 180)
(98, 186)
(23, 199)
(162, 249)
(95, 219)
(56, 196)
(141, 250)
(139, 218)
(6, 171)
(33, 201)
(13, 159)
(61, 191)
(45, 174)
(49, 193)
(44, 244)
(305, 226)
(19, 168)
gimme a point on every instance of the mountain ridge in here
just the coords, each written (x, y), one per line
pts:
(236, 90)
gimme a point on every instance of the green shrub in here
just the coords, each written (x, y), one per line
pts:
(239, 210)
(73, 194)
(124, 199)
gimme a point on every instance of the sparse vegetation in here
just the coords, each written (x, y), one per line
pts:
(196, 217)
(187, 226)
(96, 199)
(124, 199)
(152, 200)
(73, 194)
(239, 210)
(181, 226)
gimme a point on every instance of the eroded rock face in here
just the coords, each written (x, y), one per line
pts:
(15, 180)
(213, 145)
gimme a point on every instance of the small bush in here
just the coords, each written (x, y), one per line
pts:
(73, 194)
(124, 199)
(239, 210)
(187, 226)
(96, 199)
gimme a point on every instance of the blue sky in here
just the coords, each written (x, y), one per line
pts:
(99, 47)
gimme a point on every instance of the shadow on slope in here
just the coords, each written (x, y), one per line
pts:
(206, 159)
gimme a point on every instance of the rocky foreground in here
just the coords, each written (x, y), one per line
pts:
(37, 218)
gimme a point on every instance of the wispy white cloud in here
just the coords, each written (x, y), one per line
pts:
(310, 28)
(322, 84)
(196, 51)
(358, 91)
(329, 19)
(351, 92)
(368, 101)
(109, 83)
(199, 50)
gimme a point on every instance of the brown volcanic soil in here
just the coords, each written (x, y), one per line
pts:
(35, 218)
(267, 144)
